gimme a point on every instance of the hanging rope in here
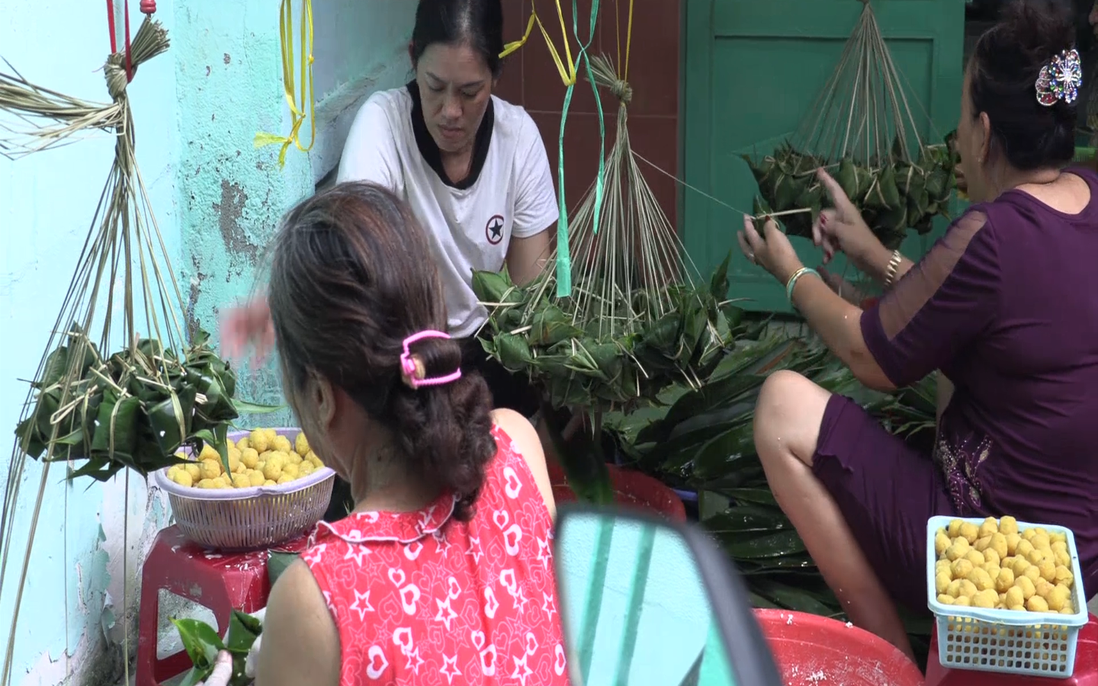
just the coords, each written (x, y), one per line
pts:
(297, 109)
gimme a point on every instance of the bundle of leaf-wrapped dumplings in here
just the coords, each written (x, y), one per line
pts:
(603, 364)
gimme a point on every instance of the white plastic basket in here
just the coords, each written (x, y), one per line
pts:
(1009, 642)
(240, 519)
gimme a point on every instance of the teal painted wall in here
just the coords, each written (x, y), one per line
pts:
(218, 201)
(73, 596)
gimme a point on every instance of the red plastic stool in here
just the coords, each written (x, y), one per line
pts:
(219, 581)
(1086, 667)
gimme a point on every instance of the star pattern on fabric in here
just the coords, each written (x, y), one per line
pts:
(380, 572)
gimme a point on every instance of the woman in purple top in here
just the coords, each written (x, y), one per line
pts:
(1004, 306)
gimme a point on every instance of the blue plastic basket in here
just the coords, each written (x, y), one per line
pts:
(1010, 642)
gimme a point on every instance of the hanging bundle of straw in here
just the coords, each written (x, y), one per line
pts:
(636, 320)
(136, 407)
(863, 131)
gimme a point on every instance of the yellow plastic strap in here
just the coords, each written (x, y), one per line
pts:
(565, 68)
(285, 25)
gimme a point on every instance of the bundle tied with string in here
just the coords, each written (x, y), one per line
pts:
(637, 320)
(136, 407)
(862, 130)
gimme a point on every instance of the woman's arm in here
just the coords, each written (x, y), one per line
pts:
(300, 640)
(526, 257)
(526, 439)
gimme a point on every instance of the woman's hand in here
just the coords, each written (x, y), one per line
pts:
(245, 326)
(772, 250)
(841, 228)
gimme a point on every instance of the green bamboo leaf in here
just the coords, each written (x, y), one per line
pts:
(201, 643)
(778, 544)
(743, 519)
(243, 630)
(277, 563)
(247, 407)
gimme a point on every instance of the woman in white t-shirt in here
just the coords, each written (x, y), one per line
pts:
(471, 166)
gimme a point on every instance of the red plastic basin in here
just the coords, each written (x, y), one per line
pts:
(816, 651)
(631, 489)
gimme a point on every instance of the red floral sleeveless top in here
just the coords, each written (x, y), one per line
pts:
(422, 598)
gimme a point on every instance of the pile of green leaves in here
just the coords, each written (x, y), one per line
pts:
(894, 192)
(601, 364)
(134, 409)
(704, 442)
(203, 644)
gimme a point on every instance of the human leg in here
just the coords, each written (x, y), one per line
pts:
(862, 513)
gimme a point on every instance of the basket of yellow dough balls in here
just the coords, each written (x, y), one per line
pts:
(276, 489)
(1007, 595)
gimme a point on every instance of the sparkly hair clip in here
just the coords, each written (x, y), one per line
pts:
(1060, 79)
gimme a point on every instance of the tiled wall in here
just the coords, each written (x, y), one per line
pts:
(530, 79)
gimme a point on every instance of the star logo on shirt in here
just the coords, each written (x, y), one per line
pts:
(493, 230)
(522, 669)
(446, 613)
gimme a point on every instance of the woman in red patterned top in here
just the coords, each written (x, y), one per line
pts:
(443, 574)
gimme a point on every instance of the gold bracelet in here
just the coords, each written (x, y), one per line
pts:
(893, 265)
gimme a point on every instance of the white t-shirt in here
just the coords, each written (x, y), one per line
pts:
(509, 192)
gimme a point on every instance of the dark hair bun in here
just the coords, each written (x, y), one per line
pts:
(1005, 66)
(1038, 29)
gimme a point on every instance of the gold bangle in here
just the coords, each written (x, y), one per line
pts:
(893, 265)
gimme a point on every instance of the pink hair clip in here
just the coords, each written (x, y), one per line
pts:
(412, 367)
(1060, 79)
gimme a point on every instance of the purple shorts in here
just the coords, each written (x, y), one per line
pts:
(886, 491)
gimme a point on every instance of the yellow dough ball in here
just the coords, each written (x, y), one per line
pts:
(1004, 581)
(269, 482)
(1041, 541)
(1024, 548)
(1064, 576)
(306, 468)
(234, 460)
(272, 470)
(987, 598)
(954, 528)
(1062, 558)
(1043, 588)
(241, 481)
(242, 444)
(172, 471)
(961, 568)
(1033, 572)
(211, 469)
(991, 557)
(258, 441)
(1047, 568)
(970, 532)
(942, 582)
(284, 479)
(963, 601)
(290, 470)
(281, 444)
(988, 527)
(958, 549)
(256, 478)
(301, 444)
(194, 470)
(206, 483)
(293, 458)
(249, 457)
(1008, 525)
(976, 558)
(1014, 598)
(315, 459)
(183, 478)
(999, 545)
(1059, 537)
(981, 579)
(1058, 597)
(945, 599)
(1037, 604)
(1012, 541)
(209, 453)
(982, 543)
(1025, 585)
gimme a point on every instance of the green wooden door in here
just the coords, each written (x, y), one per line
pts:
(753, 68)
